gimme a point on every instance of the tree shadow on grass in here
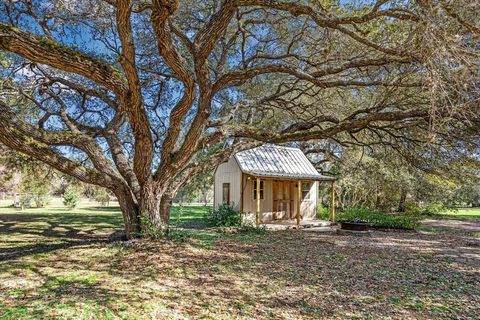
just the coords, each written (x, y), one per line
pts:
(97, 209)
(65, 293)
(7, 254)
(51, 232)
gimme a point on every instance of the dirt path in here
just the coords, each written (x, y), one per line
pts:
(468, 226)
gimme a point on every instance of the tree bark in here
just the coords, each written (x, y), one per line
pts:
(151, 212)
(130, 212)
(403, 197)
(165, 206)
(154, 206)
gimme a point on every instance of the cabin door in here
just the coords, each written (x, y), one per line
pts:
(283, 199)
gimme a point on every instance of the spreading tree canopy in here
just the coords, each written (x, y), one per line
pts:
(140, 96)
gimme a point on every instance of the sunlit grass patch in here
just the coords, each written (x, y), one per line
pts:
(70, 280)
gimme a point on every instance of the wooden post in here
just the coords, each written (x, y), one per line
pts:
(299, 201)
(332, 204)
(257, 216)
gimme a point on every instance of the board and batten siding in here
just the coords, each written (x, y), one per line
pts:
(308, 207)
(228, 172)
(266, 204)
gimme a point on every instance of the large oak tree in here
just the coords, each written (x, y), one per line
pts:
(140, 96)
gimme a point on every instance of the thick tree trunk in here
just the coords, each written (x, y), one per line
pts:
(165, 205)
(150, 214)
(155, 208)
(131, 214)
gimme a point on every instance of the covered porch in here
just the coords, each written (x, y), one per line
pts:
(284, 201)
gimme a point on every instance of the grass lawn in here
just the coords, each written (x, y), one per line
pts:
(463, 213)
(57, 263)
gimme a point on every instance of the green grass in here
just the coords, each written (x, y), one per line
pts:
(461, 213)
(193, 216)
(57, 272)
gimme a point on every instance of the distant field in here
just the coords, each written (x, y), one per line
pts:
(54, 203)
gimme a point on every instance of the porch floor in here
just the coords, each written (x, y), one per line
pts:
(292, 224)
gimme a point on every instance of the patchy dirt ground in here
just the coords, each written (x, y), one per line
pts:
(459, 226)
(277, 275)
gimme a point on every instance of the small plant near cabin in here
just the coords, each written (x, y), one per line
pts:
(224, 216)
(323, 212)
(70, 197)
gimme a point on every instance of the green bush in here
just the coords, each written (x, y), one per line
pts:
(37, 188)
(412, 208)
(102, 197)
(323, 213)
(434, 208)
(26, 200)
(70, 197)
(224, 216)
(41, 200)
(378, 219)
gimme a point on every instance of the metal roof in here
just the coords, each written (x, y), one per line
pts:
(278, 162)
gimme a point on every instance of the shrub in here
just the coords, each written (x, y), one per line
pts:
(378, 219)
(224, 216)
(412, 208)
(102, 197)
(70, 197)
(323, 213)
(37, 188)
(434, 208)
(41, 200)
(26, 200)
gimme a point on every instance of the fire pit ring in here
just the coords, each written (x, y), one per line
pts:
(354, 225)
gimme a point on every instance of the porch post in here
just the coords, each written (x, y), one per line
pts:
(332, 204)
(299, 201)
(257, 216)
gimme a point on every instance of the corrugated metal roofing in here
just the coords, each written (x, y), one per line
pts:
(278, 162)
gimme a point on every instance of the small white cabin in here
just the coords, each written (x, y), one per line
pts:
(269, 181)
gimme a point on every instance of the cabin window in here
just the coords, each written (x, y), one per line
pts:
(306, 190)
(255, 189)
(226, 193)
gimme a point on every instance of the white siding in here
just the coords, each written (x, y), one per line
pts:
(228, 172)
